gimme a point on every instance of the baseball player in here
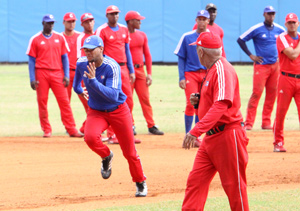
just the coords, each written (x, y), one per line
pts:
(223, 148)
(139, 48)
(288, 47)
(71, 36)
(116, 40)
(87, 22)
(212, 26)
(102, 78)
(266, 67)
(191, 71)
(47, 51)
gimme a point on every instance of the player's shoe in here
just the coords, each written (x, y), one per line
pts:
(133, 128)
(279, 148)
(106, 166)
(76, 135)
(155, 131)
(248, 127)
(141, 189)
(267, 127)
(137, 141)
(112, 140)
(47, 135)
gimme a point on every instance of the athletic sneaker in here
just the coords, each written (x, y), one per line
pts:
(155, 131)
(76, 135)
(267, 127)
(47, 135)
(248, 127)
(279, 148)
(106, 166)
(133, 128)
(141, 189)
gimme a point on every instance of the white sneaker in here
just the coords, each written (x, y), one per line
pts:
(141, 189)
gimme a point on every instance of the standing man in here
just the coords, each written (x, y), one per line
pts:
(47, 51)
(71, 37)
(223, 148)
(116, 40)
(212, 26)
(266, 66)
(191, 71)
(139, 48)
(288, 47)
(87, 22)
(102, 78)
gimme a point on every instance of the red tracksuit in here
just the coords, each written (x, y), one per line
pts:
(49, 74)
(288, 86)
(225, 151)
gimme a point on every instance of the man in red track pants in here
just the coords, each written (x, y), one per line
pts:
(139, 48)
(288, 47)
(223, 148)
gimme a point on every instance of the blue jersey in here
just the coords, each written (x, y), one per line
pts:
(264, 40)
(105, 89)
(188, 52)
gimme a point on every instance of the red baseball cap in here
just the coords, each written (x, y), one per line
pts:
(291, 17)
(133, 15)
(112, 9)
(86, 16)
(208, 40)
(70, 16)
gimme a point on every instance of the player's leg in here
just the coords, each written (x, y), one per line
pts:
(232, 145)
(199, 180)
(285, 92)
(120, 121)
(259, 81)
(61, 95)
(271, 93)
(297, 98)
(42, 91)
(126, 86)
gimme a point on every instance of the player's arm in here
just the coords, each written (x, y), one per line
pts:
(129, 63)
(65, 63)
(242, 43)
(148, 61)
(31, 67)
(292, 53)
(181, 66)
(77, 84)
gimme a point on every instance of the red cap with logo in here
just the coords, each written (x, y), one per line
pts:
(208, 40)
(133, 15)
(86, 16)
(70, 16)
(291, 17)
(112, 9)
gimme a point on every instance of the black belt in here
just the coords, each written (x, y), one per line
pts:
(72, 69)
(138, 65)
(122, 63)
(291, 75)
(109, 110)
(218, 129)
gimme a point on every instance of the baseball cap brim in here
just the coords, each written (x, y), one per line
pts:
(193, 43)
(292, 20)
(88, 46)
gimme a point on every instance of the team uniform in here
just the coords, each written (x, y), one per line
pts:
(265, 74)
(48, 72)
(108, 107)
(223, 149)
(288, 84)
(191, 70)
(215, 28)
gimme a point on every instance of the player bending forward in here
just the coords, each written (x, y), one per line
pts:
(102, 78)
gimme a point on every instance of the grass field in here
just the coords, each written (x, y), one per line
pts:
(19, 117)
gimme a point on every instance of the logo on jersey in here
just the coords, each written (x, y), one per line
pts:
(123, 35)
(102, 77)
(292, 44)
(276, 35)
(56, 40)
(84, 75)
(111, 37)
(264, 35)
(281, 91)
(42, 43)
(207, 82)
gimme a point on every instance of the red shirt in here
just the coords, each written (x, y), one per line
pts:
(47, 51)
(72, 42)
(217, 30)
(221, 83)
(284, 40)
(114, 41)
(138, 48)
(80, 40)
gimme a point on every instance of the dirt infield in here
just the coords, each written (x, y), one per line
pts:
(61, 173)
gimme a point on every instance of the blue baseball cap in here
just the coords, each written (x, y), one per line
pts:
(269, 9)
(49, 18)
(92, 42)
(203, 13)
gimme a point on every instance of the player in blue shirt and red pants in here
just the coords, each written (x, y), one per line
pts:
(102, 77)
(266, 66)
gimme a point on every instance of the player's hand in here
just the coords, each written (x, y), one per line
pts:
(34, 84)
(189, 141)
(92, 70)
(149, 80)
(194, 99)
(182, 84)
(66, 81)
(84, 94)
(256, 59)
(132, 78)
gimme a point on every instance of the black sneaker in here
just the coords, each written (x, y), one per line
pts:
(106, 166)
(155, 131)
(141, 189)
(133, 128)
